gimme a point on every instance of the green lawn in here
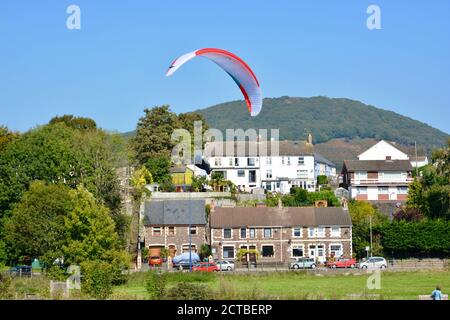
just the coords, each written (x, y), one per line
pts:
(297, 285)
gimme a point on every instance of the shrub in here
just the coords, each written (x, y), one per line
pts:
(156, 284)
(5, 287)
(188, 291)
(97, 278)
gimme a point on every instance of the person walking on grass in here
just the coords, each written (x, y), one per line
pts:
(436, 294)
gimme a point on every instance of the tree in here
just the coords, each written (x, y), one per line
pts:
(198, 183)
(159, 167)
(153, 134)
(322, 180)
(75, 122)
(90, 233)
(217, 181)
(156, 284)
(360, 213)
(140, 178)
(36, 225)
(408, 214)
(6, 137)
(58, 153)
(98, 278)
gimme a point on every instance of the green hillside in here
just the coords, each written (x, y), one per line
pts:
(327, 119)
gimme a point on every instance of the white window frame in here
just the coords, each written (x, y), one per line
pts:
(296, 246)
(319, 234)
(250, 233)
(237, 173)
(218, 162)
(268, 245)
(231, 162)
(383, 190)
(301, 161)
(402, 192)
(234, 251)
(293, 232)
(335, 235)
(196, 230)
(223, 233)
(268, 160)
(174, 231)
(160, 231)
(336, 244)
(271, 233)
(269, 174)
(240, 233)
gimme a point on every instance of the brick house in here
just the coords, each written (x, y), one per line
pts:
(281, 234)
(166, 225)
(377, 180)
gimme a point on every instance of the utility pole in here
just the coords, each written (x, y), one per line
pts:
(190, 234)
(417, 167)
(370, 226)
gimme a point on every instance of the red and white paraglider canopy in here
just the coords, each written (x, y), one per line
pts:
(235, 67)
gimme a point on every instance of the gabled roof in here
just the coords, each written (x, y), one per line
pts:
(321, 159)
(378, 165)
(174, 212)
(381, 142)
(286, 217)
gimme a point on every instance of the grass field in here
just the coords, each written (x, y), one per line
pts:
(298, 285)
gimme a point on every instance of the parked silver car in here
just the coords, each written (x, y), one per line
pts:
(303, 263)
(225, 265)
(374, 263)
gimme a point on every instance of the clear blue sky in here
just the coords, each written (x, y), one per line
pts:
(114, 66)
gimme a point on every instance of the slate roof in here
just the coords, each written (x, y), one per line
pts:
(321, 159)
(378, 165)
(286, 217)
(174, 212)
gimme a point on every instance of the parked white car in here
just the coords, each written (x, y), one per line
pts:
(374, 263)
(225, 265)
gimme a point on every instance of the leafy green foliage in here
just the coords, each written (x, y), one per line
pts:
(156, 284)
(188, 291)
(205, 251)
(360, 213)
(159, 167)
(60, 154)
(6, 137)
(97, 280)
(424, 238)
(75, 122)
(36, 225)
(325, 118)
(299, 197)
(321, 180)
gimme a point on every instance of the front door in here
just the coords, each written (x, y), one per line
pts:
(317, 252)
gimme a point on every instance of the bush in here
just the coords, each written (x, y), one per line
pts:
(156, 284)
(97, 278)
(188, 291)
(5, 287)
(321, 180)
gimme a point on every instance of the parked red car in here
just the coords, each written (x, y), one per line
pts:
(155, 261)
(341, 263)
(205, 267)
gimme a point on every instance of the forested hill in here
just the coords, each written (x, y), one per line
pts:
(327, 119)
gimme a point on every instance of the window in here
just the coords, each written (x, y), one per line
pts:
(402, 190)
(361, 175)
(252, 176)
(241, 173)
(268, 160)
(282, 160)
(288, 161)
(302, 173)
(156, 231)
(218, 161)
(267, 251)
(268, 186)
(171, 231)
(236, 162)
(297, 251)
(301, 161)
(228, 252)
(388, 158)
(311, 232)
(252, 232)
(336, 250)
(193, 230)
(230, 162)
(251, 162)
(267, 233)
(321, 232)
(269, 174)
(297, 232)
(185, 248)
(391, 175)
(335, 231)
(361, 190)
(383, 190)
(243, 233)
(227, 233)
